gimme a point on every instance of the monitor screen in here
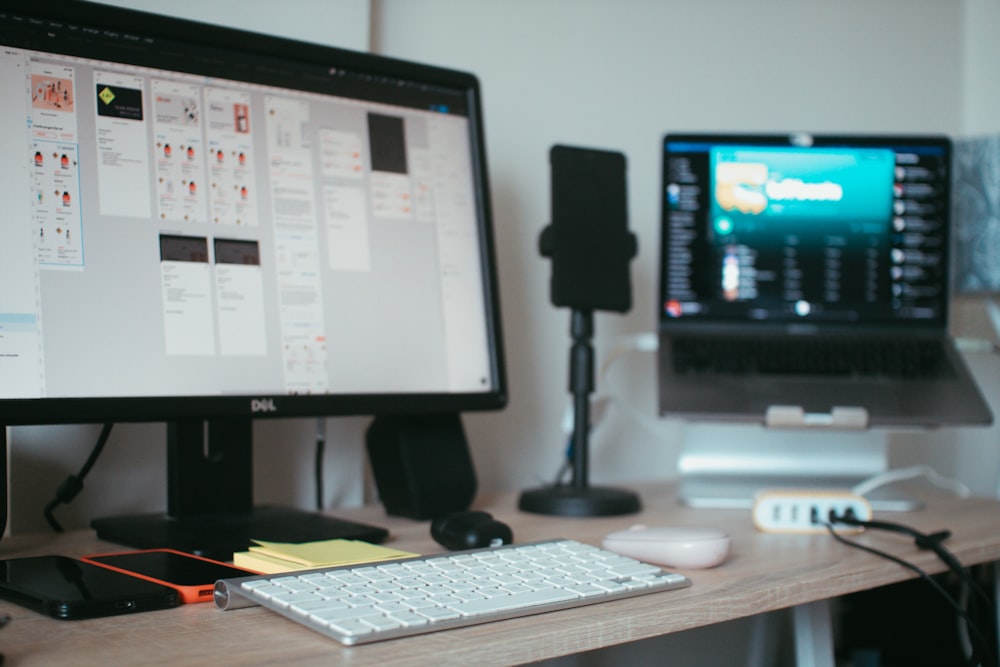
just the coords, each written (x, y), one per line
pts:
(805, 229)
(199, 222)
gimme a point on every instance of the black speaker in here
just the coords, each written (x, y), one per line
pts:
(421, 464)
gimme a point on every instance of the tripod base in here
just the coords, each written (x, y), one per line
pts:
(574, 501)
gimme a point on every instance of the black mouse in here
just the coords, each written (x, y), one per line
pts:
(470, 530)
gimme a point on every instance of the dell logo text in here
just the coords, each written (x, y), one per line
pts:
(263, 405)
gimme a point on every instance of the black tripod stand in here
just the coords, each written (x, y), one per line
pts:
(590, 247)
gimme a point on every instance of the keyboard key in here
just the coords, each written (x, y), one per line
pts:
(351, 627)
(514, 601)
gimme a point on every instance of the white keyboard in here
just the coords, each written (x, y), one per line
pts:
(364, 603)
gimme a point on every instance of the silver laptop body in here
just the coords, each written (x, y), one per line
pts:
(788, 241)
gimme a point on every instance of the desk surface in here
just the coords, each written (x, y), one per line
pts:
(766, 572)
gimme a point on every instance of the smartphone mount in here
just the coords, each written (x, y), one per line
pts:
(590, 247)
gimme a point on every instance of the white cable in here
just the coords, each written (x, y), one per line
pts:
(647, 342)
(901, 474)
(993, 310)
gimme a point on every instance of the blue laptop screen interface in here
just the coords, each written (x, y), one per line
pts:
(830, 232)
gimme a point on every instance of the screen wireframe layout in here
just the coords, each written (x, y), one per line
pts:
(839, 230)
(168, 231)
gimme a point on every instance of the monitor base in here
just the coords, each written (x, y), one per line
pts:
(579, 501)
(218, 536)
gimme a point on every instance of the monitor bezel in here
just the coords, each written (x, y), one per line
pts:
(67, 410)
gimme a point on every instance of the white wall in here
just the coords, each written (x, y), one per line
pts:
(597, 73)
(980, 76)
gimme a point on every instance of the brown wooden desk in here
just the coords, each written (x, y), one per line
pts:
(766, 572)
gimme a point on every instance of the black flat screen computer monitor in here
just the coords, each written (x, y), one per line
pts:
(203, 227)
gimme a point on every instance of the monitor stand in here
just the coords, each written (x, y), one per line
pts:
(726, 465)
(210, 510)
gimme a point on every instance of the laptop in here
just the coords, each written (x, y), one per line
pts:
(805, 282)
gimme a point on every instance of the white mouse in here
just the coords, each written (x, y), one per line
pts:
(679, 547)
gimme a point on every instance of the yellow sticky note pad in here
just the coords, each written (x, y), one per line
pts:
(328, 552)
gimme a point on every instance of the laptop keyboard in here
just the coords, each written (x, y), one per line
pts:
(364, 603)
(840, 356)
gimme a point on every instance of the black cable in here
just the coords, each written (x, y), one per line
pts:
(982, 653)
(320, 447)
(73, 484)
(929, 541)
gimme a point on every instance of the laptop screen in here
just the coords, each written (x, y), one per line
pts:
(802, 229)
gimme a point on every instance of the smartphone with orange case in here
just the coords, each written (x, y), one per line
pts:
(192, 576)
